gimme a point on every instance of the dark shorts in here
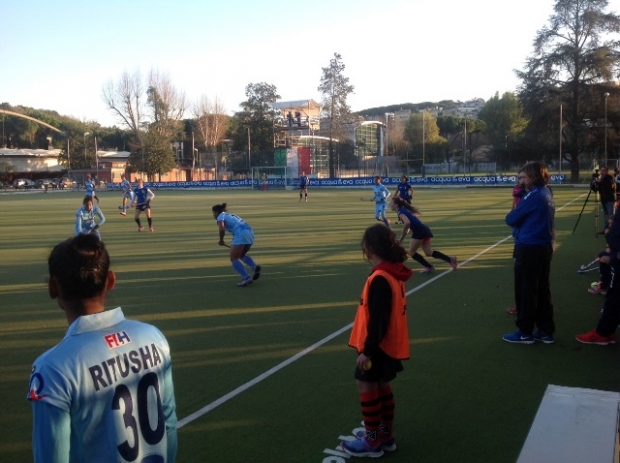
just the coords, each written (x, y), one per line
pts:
(143, 207)
(422, 233)
(383, 368)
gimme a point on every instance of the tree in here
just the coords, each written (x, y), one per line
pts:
(335, 89)
(574, 56)
(166, 105)
(156, 155)
(505, 124)
(422, 132)
(211, 121)
(257, 116)
(125, 99)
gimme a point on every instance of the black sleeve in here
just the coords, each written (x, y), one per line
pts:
(380, 306)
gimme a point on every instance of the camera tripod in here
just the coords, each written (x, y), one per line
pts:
(596, 211)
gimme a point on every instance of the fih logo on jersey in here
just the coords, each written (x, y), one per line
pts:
(115, 340)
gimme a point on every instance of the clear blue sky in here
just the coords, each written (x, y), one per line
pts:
(58, 54)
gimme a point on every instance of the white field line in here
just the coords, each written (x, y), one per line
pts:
(244, 387)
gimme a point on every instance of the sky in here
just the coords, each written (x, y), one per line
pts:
(59, 54)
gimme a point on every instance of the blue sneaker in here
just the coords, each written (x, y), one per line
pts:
(360, 447)
(388, 445)
(543, 337)
(518, 338)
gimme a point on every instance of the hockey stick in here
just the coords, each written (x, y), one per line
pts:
(585, 268)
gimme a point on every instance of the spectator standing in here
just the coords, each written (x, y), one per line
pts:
(533, 229)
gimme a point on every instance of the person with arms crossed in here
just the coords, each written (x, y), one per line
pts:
(89, 184)
(421, 236)
(142, 201)
(381, 338)
(533, 230)
(242, 241)
(605, 185)
(128, 194)
(303, 186)
(380, 196)
(105, 392)
(88, 218)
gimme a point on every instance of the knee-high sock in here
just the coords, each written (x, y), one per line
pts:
(371, 412)
(440, 255)
(238, 266)
(387, 412)
(247, 260)
(418, 258)
(138, 222)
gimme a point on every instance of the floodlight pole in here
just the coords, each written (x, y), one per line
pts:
(606, 96)
(560, 160)
(85, 133)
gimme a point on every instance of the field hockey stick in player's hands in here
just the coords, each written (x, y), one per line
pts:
(221, 243)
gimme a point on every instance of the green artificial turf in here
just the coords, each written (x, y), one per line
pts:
(465, 395)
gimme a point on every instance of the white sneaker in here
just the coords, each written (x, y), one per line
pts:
(247, 282)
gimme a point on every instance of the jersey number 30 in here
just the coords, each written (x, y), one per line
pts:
(151, 436)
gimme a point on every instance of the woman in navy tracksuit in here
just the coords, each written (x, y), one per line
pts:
(533, 229)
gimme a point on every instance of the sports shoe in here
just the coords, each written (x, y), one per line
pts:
(388, 445)
(597, 290)
(593, 337)
(512, 310)
(140, 229)
(453, 263)
(256, 274)
(427, 270)
(245, 282)
(360, 447)
(543, 337)
(151, 229)
(518, 337)
(123, 213)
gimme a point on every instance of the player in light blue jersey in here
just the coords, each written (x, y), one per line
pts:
(242, 241)
(380, 196)
(105, 392)
(88, 218)
(89, 184)
(128, 194)
(142, 201)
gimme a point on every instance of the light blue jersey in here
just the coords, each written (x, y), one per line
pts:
(242, 233)
(125, 185)
(104, 394)
(380, 196)
(85, 220)
(90, 187)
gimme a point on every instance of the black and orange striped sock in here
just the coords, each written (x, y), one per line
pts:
(371, 412)
(387, 412)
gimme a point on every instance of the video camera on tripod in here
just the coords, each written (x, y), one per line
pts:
(593, 188)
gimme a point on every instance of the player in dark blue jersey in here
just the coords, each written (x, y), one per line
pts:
(142, 201)
(303, 185)
(404, 190)
(421, 235)
(89, 184)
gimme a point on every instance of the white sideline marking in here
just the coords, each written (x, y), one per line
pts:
(225, 398)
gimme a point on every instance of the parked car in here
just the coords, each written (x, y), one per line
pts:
(45, 183)
(24, 183)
